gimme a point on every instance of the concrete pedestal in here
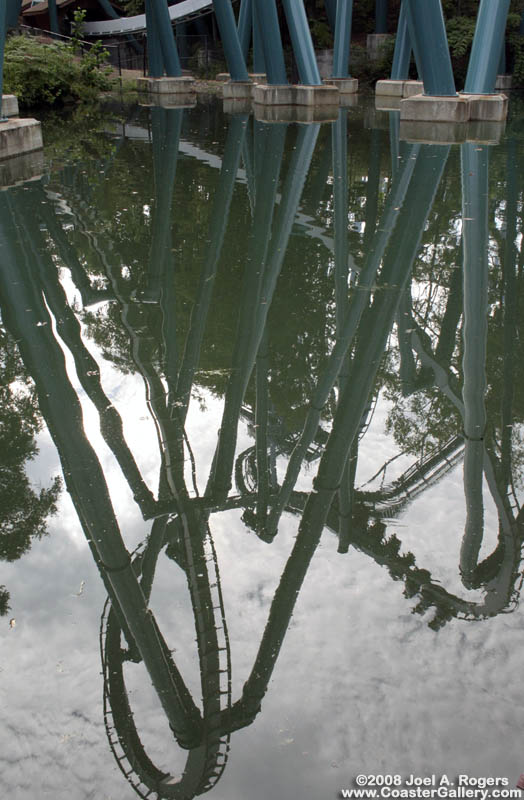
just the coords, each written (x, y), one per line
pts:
(165, 85)
(492, 107)
(344, 85)
(298, 95)
(462, 108)
(391, 88)
(374, 44)
(19, 136)
(435, 109)
(238, 90)
(9, 105)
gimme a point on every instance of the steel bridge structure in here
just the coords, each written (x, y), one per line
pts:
(420, 30)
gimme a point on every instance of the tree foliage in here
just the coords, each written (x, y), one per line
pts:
(23, 510)
(49, 73)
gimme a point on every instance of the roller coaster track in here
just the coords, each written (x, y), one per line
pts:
(180, 12)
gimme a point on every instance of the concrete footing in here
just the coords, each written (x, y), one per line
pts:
(298, 95)
(344, 85)
(374, 44)
(460, 108)
(392, 88)
(166, 85)
(238, 90)
(18, 136)
(9, 105)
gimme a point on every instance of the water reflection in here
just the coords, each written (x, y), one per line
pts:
(404, 310)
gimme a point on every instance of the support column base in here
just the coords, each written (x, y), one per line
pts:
(166, 85)
(395, 88)
(19, 136)
(9, 105)
(462, 108)
(344, 85)
(298, 95)
(238, 90)
(492, 107)
(435, 109)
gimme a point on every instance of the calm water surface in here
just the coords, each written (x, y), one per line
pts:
(262, 456)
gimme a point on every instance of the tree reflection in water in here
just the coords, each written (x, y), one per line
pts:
(404, 317)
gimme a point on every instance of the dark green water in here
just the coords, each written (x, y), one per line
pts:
(271, 377)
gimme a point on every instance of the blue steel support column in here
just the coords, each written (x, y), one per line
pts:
(402, 53)
(53, 16)
(259, 62)
(331, 13)
(342, 38)
(487, 45)
(171, 61)
(381, 16)
(154, 49)
(267, 19)
(3, 26)
(428, 36)
(13, 12)
(230, 41)
(245, 23)
(302, 42)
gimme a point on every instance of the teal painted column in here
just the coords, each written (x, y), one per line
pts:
(53, 16)
(170, 57)
(13, 11)
(402, 52)
(228, 33)
(154, 48)
(245, 23)
(342, 38)
(331, 13)
(381, 16)
(3, 27)
(302, 41)
(267, 19)
(487, 46)
(428, 36)
(259, 63)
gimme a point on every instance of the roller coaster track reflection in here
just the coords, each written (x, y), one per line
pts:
(31, 296)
